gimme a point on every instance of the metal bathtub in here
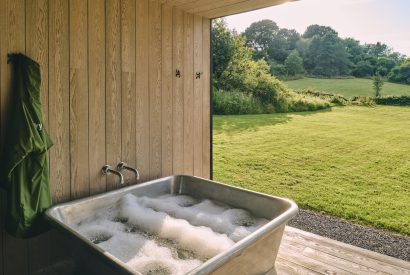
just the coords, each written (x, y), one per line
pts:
(255, 254)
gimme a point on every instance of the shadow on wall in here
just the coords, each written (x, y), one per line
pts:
(233, 124)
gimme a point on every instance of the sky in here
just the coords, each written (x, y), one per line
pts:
(369, 21)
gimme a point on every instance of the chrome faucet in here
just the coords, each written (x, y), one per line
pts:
(106, 169)
(123, 166)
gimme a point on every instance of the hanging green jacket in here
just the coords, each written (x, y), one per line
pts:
(24, 165)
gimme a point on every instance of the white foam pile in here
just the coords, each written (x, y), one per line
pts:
(236, 223)
(171, 234)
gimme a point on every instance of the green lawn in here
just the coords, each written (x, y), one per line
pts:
(348, 87)
(350, 162)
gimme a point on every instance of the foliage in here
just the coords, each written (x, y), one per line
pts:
(270, 42)
(363, 101)
(334, 99)
(394, 100)
(235, 103)
(294, 64)
(326, 56)
(294, 102)
(377, 85)
(317, 30)
(340, 162)
(323, 52)
(401, 74)
(223, 47)
(347, 87)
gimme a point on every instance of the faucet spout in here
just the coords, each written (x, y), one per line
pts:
(106, 169)
(124, 166)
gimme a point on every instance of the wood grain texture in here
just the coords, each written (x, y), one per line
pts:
(188, 94)
(178, 92)
(79, 127)
(155, 100)
(238, 7)
(96, 78)
(142, 90)
(128, 10)
(59, 97)
(347, 252)
(12, 25)
(109, 93)
(206, 99)
(2, 195)
(113, 88)
(37, 48)
(166, 93)
(198, 96)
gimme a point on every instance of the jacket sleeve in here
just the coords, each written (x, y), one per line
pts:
(18, 144)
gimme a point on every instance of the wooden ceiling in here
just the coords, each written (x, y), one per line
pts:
(219, 8)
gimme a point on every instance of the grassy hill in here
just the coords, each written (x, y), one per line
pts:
(348, 87)
(351, 162)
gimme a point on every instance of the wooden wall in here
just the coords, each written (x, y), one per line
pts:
(109, 93)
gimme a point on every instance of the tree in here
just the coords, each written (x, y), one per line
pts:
(318, 30)
(284, 41)
(326, 56)
(363, 69)
(223, 48)
(377, 84)
(401, 73)
(260, 35)
(294, 64)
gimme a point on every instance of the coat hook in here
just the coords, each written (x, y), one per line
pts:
(178, 73)
(198, 75)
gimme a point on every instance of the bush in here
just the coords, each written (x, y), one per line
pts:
(235, 103)
(363, 101)
(393, 100)
(294, 102)
(334, 99)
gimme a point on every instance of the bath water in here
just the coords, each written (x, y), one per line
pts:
(169, 234)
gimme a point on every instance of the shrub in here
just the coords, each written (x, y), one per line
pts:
(334, 99)
(377, 85)
(294, 102)
(363, 101)
(235, 103)
(393, 100)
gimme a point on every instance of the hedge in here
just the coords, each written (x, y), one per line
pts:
(393, 100)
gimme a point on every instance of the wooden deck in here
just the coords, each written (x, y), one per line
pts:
(306, 253)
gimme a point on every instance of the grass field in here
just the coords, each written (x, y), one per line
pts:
(348, 87)
(350, 162)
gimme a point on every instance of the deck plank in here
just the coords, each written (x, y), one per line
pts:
(306, 253)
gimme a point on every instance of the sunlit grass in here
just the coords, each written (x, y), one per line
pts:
(351, 162)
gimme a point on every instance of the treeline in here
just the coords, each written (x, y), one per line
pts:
(248, 67)
(244, 84)
(320, 52)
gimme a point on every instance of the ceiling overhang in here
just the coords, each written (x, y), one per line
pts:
(219, 8)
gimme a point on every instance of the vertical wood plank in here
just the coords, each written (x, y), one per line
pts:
(198, 86)
(2, 195)
(166, 90)
(113, 87)
(37, 48)
(188, 94)
(128, 83)
(59, 98)
(12, 26)
(142, 90)
(96, 75)
(155, 88)
(178, 92)
(206, 101)
(79, 154)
